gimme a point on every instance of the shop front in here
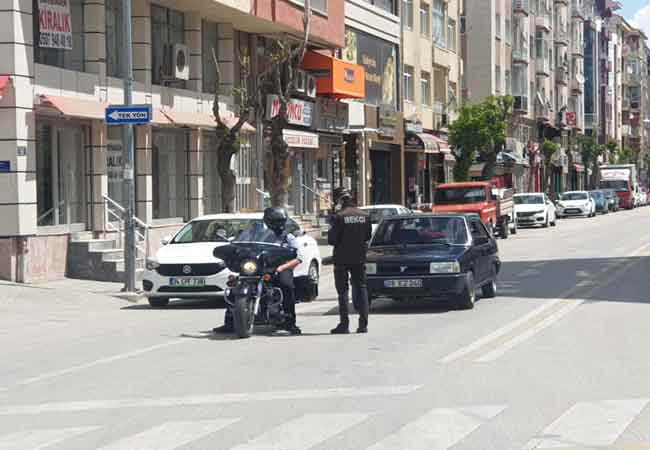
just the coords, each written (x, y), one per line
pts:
(386, 157)
(422, 159)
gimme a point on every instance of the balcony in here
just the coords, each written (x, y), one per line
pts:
(542, 112)
(438, 107)
(562, 76)
(543, 67)
(561, 37)
(577, 47)
(520, 55)
(626, 102)
(562, 2)
(635, 103)
(577, 84)
(521, 7)
(591, 121)
(632, 78)
(520, 103)
(577, 10)
(625, 130)
(543, 21)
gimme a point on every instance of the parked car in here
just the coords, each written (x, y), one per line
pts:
(535, 208)
(576, 203)
(600, 201)
(185, 267)
(379, 212)
(613, 202)
(433, 256)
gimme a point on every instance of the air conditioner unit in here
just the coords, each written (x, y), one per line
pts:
(300, 82)
(310, 86)
(180, 61)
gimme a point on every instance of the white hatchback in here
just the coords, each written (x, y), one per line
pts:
(534, 208)
(185, 267)
(576, 203)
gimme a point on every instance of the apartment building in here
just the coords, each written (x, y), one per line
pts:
(59, 161)
(432, 67)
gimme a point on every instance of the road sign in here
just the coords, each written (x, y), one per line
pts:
(134, 114)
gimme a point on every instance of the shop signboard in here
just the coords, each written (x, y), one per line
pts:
(331, 115)
(387, 120)
(300, 139)
(379, 59)
(299, 112)
(414, 126)
(55, 24)
(5, 166)
(114, 169)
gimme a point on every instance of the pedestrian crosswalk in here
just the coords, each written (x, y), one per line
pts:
(581, 425)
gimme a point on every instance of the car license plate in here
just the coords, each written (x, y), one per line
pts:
(403, 283)
(187, 282)
(572, 210)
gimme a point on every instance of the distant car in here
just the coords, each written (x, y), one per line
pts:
(642, 197)
(185, 267)
(600, 201)
(379, 212)
(576, 203)
(433, 256)
(534, 208)
(613, 202)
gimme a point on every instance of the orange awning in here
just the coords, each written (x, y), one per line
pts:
(74, 107)
(443, 145)
(4, 83)
(334, 77)
(200, 120)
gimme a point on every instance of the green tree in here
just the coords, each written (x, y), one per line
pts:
(548, 150)
(612, 149)
(625, 156)
(479, 130)
(590, 150)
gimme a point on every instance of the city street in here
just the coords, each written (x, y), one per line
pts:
(558, 359)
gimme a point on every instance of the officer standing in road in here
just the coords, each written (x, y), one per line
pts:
(349, 233)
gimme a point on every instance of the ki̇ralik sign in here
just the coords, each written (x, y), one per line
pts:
(299, 112)
(55, 24)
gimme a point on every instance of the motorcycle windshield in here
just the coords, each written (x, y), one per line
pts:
(257, 233)
(261, 246)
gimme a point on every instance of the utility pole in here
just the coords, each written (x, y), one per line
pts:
(128, 154)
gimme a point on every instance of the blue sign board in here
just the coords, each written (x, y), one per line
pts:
(134, 114)
(5, 166)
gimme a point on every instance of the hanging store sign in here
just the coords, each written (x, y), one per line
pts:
(295, 138)
(55, 24)
(299, 112)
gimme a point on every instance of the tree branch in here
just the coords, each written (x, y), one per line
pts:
(217, 84)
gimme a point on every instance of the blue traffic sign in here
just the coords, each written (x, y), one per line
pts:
(134, 114)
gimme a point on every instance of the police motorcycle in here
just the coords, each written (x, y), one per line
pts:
(251, 295)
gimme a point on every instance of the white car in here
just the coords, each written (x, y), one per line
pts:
(534, 208)
(185, 267)
(379, 212)
(576, 203)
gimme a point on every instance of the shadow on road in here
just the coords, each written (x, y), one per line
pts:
(178, 304)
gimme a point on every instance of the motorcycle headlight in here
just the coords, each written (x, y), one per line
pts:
(371, 268)
(249, 268)
(444, 267)
(152, 264)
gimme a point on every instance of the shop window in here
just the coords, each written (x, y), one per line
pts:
(60, 175)
(169, 166)
(407, 13)
(114, 38)
(167, 29)
(425, 86)
(424, 18)
(209, 39)
(55, 49)
(408, 84)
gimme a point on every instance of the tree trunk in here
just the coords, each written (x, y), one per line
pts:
(278, 189)
(488, 169)
(548, 184)
(225, 151)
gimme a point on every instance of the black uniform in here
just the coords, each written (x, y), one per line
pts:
(349, 233)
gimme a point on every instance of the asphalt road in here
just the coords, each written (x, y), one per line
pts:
(558, 360)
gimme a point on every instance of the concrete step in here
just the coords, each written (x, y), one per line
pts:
(111, 254)
(95, 245)
(82, 236)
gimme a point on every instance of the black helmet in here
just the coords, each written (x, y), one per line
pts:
(275, 219)
(341, 194)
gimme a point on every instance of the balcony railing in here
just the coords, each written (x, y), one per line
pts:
(561, 36)
(632, 78)
(577, 10)
(520, 54)
(562, 75)
(542, 112)
(521, 6)
(543, 66)
(543, 21)
(577, 84)
(591, 120)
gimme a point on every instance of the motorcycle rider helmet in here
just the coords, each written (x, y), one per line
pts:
(275, 219)
(341, 194)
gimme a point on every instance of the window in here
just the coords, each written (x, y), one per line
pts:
(439, 28)
(316, 5)
(425, 86)
(407, 13)
(114, 38)
(208, 42)
(167, 28)
(508, 83)
(451, 35)
(497, 78)
(386, 5)
(497, 25)
(67, 59)
(508, 32)
(408, 84)
(169, 166)
(478, 229)
(424, 18)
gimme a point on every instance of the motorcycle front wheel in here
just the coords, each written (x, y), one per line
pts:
(243, 317)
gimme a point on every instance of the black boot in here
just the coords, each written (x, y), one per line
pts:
(228, 325)
(290, 326)
(341, 328)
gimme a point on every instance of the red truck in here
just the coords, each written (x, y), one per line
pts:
(479, 197)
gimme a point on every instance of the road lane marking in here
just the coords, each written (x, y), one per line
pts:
(37, 439)
(304, 432)
(212, 399)
(589, 424)
(97, 362)
(439, 429)
(170, 435)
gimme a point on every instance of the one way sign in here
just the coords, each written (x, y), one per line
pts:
(135, 114)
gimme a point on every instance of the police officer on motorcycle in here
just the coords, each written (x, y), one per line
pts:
(275, 220)
(349, 233)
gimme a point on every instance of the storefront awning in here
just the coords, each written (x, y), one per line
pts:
(300, 139)
(200, 120)
(73, 107)
(4, 84)
(334, 77)
(443, 145)
(421, 142)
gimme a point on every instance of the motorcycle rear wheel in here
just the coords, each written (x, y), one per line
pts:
(243, 317)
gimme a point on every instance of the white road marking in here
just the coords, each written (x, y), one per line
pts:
(439, 429)
(304, 432)
(589, 424)
(97, 362)
(37, 439)
(307, 394)
(496, 334)
(518, 339)
(170, 435)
